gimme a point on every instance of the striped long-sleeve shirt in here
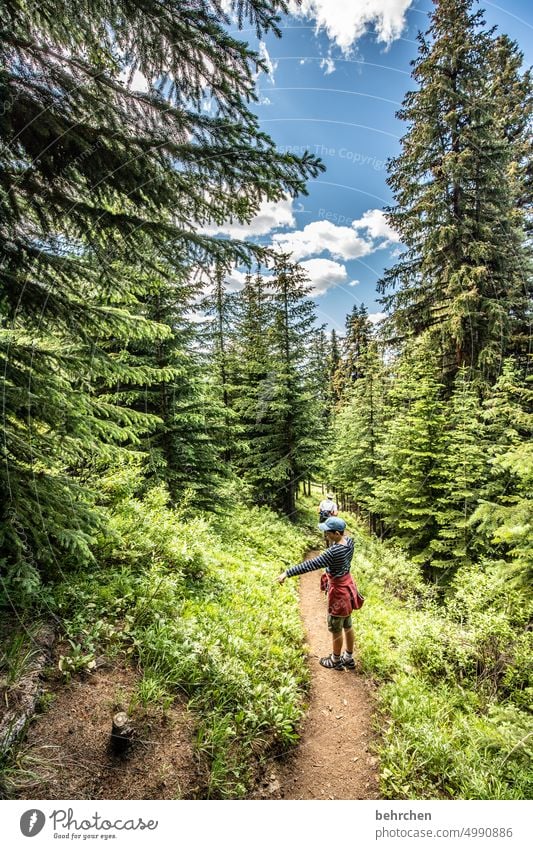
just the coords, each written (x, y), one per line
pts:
(336, 560)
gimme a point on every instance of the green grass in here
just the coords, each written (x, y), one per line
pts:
(197, 605)
(194, 603)
(455, 680)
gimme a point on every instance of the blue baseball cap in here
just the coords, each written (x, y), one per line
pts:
(333, 524)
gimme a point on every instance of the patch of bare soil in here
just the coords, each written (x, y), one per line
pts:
(334, 759)
(66, 753)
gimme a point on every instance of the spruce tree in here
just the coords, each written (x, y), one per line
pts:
(100, 185)
(412, 454)
(335, 374)
(463, 274)
(504, 517)
(255, 387)
(464, 474)
(358, 433)
(298, 412)
(278, 394)
(221, 308)
(354, 346)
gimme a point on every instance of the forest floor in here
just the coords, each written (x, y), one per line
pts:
(334, 759)
(66, 752)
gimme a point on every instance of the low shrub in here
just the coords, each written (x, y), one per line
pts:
(195, 600)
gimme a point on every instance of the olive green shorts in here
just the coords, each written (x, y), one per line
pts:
(337, 623)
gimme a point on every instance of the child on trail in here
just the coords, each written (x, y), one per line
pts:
(327, 508)
(343, 596)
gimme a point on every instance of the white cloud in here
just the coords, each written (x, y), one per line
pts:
(376, 317)
(319, 236)
(328, 64)
(354, 283)
(234, 280)
(197, 317)
(270, 216)
(270, 64)
(377, 227)
(345, 22)
(323, 274)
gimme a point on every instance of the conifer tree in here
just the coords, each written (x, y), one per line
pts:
(99, 184)
(255, 386)
(464, 473)
(412, 454)
(320, 369)
(278, 399)
(300, 423)
(504, 516)
(220, 307)
(456, 182)
(354, 346)
(358, 433)
(335, 374)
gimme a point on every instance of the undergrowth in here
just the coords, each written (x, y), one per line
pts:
(193, 600)
(456, 678)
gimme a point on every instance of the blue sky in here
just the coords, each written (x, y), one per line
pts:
(335, 92)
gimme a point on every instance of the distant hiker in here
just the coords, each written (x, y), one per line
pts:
(343, 596)
(327, 508)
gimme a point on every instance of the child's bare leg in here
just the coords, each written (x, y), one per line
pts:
(349, 639)
(337, 643)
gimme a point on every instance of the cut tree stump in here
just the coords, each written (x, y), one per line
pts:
(121, 733)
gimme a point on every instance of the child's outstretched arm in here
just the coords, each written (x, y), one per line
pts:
(319, 562)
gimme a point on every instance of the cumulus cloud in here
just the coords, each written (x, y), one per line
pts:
(323, 274)
(319, 236)
(377, 227)
(234, 280)
(270, 216)
(345, 22)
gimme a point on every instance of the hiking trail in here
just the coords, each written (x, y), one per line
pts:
(334, 759)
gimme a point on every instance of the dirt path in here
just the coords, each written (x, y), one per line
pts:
(334, 759)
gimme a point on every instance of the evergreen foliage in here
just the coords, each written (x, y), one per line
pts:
(464, 473)
(358, 432)
(354, 346)
(412, 453)
(103, 189)
(504, 515)
(279, 391)
(457, 182)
